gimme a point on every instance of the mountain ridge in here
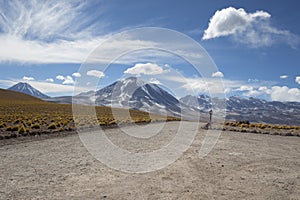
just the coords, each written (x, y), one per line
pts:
(251, 109)
(134, 93)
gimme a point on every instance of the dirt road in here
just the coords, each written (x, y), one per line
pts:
(241, 166)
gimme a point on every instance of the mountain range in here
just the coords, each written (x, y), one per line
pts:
(252, 109)
(134, 93)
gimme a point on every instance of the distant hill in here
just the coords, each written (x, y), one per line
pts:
(8, 96)
(28, 89)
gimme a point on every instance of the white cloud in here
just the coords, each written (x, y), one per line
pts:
(44, 20)
(218, 75)
(26, 78)
(297, 79)
(95, 73)
(76, 74)
(252, 93)
(60, 77)
(49, 80)
(154, 81)
(283, 77)
(68, 80)
(245, 88)
(285, 94)
(48, 31)
(253, 29)
(205, 85)
(145, 68)
(262, 88)
(66, 32)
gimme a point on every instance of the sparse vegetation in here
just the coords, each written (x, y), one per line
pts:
(24, 115)
(273, 129)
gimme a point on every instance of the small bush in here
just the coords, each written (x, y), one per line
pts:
(35, 126)
(52, 126)
(113, 122)
(22, 129)
(2, 125)
(17, 121)
(15, 128)
(9, 128)
(71, 128)
(244, 126)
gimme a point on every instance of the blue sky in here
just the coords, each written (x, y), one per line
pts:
(254, 44)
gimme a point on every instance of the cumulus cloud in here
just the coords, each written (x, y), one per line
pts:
(68, 81)
(263, 88)
(253, 29)
(245, 88)
(218, 75)
(297, 79)
(275, 93)
(49, 80)
(145, 68)
(95, 73)
(60, 77)
(283, 77)
(27, 78)
(285, 94)
(252, 93)
(76, 74)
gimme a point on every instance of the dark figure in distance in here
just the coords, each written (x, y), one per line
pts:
(210, 116)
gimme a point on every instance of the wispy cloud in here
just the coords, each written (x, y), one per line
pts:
(47, 20)
(95, 73)
(283, 77)
(253, 29)
(48, 31)
(206, 85)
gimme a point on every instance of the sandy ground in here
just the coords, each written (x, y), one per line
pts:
(241, 166)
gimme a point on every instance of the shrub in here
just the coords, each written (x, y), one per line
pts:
(71, 128)
(17, 121)
(9, 128)
(15, 128)
(113, 122)
(227, 123)
(21, 129)
(252, 125)
(244, 126)
(263, 126)
(36, 126)
(52, 126)
(2, 125)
